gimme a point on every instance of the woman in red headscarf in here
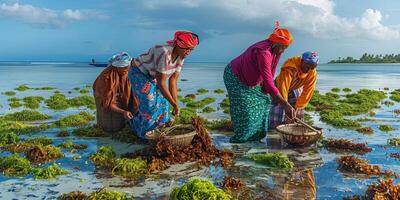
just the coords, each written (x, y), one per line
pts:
(149, 75)
(249, 80)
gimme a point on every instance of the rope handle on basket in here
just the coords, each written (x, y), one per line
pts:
(306, 125)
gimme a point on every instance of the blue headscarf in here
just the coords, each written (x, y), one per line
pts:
(120, 60)
(310, 57)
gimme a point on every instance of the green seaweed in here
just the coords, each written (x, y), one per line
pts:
(275, 160)
(57, 102)
(108, 195)
(74, 195)
(221, 125)
(225, 103)
(104, 157)
(9, 93)
(20, 127)
(84, 91)
(89, 131)
(201, 103)
(308, 119)
(63, 133)
(219, 91)
(185, 116)
(22, 88)
(77, 157)
(7, 138)
(386, 128)
(394, 142)
(197, 188)
(130, 168)
(76, 88)
(49, 172)
(26, 115)
(80, 119)
(15, 165)
(69, 144)
(15, 104)
(208, 109)
(32, 102)
(202, 91)
(336, 90)
(365, 130)
(395, 95)
(347, 90)
(45, 88)
(40, 140)
(87, 101)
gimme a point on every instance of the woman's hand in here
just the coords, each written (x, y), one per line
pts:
(175, 112)
(127, 115)
(289, 111)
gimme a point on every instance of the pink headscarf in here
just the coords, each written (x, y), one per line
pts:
(185, 39)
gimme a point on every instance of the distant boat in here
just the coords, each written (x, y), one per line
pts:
(93, 63)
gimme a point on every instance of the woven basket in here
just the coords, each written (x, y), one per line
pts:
(299, 135)
(176, 140)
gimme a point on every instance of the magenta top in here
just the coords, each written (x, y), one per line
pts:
(256, 66)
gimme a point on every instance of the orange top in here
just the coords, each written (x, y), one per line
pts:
(291, 77)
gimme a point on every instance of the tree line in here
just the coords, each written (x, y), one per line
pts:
(370, 58)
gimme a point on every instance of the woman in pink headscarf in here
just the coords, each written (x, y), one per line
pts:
(148, 77)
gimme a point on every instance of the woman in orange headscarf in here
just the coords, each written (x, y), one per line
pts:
(148, 77)
(249, 80)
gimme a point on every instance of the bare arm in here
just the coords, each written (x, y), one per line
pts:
(173, 86)
(161, 82)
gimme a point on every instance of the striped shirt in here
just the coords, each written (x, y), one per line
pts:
(158, 59)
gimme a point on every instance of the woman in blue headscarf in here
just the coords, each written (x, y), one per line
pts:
(296, 83)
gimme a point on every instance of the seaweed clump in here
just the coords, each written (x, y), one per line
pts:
(201, 150)
(232, 183)
(80, 119)
(394, 142)
(201, 103)
(22, 88)
(219, 91)
(9, 93)
(32, 102)
(63, 133)
(197, 188)
(74, 195)
(353, 164)
(336, 90)
(70, 145)
(15, 165)
(42, 154)
(185, 116)
(275, 160)
(102, 194)
(208, 109)
(8, 138)
(26, 115)
(365, 130)
(130, 168)
(90, 131)
(202, 91)
(347, 145)
(50, 172)
(386, 128)
(104, 157)
(384, 190)
(221, 125)
(395, 95)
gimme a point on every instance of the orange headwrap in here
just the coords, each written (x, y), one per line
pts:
(281, 35)
(186, 39)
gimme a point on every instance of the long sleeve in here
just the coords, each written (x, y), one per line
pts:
(283, 82)
(308, 90)
(264, 60)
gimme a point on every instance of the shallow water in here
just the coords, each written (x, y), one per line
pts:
(330, 184)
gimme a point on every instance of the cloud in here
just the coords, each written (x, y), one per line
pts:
(315, 17)
(46, 18)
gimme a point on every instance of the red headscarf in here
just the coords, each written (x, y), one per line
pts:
(281, 35)
(186, 39)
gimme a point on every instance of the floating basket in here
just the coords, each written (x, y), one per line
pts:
(178, 135)
(299, 135)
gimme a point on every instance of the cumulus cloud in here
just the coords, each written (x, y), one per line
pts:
(46, 18)
(316, 17)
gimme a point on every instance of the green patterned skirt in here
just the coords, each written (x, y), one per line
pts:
(249, 108)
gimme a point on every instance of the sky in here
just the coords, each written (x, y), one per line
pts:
(76, 30)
